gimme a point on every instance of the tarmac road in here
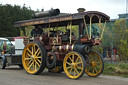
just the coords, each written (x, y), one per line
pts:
(15, 76)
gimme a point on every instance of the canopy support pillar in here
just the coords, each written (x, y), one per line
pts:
(90, 27)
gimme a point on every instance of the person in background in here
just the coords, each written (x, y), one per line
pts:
(36, 31)
(5, 47)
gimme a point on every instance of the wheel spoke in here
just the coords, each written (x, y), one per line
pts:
(98, 66)
(28, 55)
(39, 60)
(89, 69)
(68, 63)
(76, 70)
(29, 51)
(70, 71)
(68, 67)
(77, 60)
(34, 49)
(33, 66)
(98, 62)
(95, 70)
(70, 59)
(38, 57)
(27, 59)
(37, 51)
(37, 63)
(96, 59)
(79, 63)
(30, 65)
(90, 57)
(79, 67)
(73, 58)
(94, 56)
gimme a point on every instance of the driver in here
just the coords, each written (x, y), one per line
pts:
(36, 31)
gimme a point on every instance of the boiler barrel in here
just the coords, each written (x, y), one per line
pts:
(52, 12)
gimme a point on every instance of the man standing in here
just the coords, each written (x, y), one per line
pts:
(5, 47)
(36, 31)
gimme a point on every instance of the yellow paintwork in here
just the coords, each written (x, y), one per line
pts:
(31, 58)
(73, 65)
(94, 66)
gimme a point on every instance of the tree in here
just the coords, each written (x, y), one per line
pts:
(120, 38)
(107, 37)
(10, 14)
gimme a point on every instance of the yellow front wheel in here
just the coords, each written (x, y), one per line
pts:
(74, 65)
(94, 64)
(33, 58)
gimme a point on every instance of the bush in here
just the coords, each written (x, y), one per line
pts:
(123, 50)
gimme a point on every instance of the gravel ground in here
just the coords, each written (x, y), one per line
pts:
(15, 76)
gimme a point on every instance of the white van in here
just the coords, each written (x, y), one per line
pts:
(2, 40)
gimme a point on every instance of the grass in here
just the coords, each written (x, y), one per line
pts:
(112, 72)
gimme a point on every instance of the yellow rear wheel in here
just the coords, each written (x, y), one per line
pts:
(74, 65)
(33, 58)
(94, 64)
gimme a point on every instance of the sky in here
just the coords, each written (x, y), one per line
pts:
(110, 7)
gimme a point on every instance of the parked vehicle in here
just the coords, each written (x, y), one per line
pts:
(8, 53)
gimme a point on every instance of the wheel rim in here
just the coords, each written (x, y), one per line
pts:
(73, 65)
(31, 58)
(94, 64)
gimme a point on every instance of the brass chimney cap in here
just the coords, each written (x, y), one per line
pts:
(81, 10)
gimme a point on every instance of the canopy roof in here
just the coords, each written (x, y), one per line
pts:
(63, 20)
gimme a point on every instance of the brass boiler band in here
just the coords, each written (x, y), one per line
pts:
(64, 48)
